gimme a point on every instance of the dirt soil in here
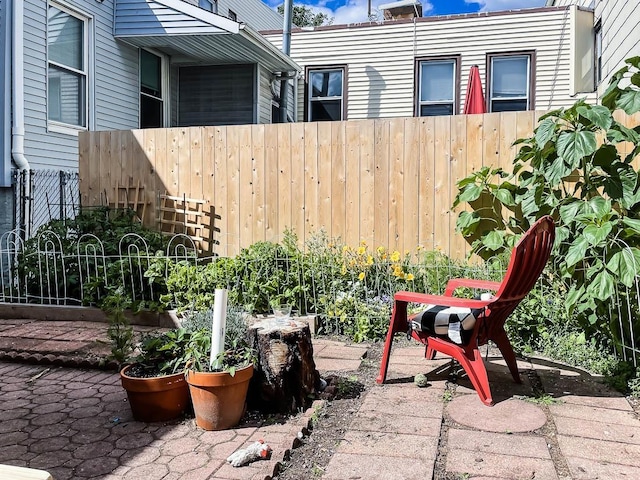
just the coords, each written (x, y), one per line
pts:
(344, 395)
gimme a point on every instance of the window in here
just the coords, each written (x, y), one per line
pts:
(598, 54)
(151, 92)
(510, 82)
(438, 84)
(233, 16)
(209, 5)
(67, 68)
(325, 94)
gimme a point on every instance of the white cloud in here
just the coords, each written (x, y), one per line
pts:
(353, 11)
(494, 5)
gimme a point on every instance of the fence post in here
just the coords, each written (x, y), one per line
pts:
(61, 184)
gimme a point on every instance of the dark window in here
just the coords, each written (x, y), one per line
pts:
(209, 5)
(151, 102)
(510, 83)
(598, 54)
(325, 94)
(216, 95)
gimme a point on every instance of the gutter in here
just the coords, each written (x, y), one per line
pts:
(17, 131)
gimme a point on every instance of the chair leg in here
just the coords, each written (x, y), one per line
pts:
(477, 373)
(503, 343)
(398, 324)
(429, 353)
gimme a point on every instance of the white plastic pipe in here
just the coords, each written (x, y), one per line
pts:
(218, 327)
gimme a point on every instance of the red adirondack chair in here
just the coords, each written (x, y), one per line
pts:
(528, 259)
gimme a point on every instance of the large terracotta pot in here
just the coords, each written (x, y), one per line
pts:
(156, 399)
(218, 398)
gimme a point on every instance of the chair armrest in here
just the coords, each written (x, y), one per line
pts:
(414, 297)
(470, 283)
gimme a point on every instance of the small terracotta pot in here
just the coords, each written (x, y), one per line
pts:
(218, 398)
(156, 399)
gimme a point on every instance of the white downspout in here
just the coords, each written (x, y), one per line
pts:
(17, 130)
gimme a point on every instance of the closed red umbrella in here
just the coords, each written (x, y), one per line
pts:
(474, 102)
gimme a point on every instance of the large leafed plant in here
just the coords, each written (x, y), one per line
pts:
(578, 168)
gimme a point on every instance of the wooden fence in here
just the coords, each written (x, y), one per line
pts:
(387, 182)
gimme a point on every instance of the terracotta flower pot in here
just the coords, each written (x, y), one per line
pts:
(156, 399)
(218, 398)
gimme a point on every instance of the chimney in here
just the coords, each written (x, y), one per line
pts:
(401, 9)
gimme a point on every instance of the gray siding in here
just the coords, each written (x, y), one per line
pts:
(138, 17)
(264, 96)
(113, 80)
(5, 99)
(252, 12)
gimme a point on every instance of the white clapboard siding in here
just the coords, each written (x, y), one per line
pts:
(620, 20)
(380, 57)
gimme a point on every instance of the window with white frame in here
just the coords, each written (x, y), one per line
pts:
(325, 94)
(510, 84)
(437, 86)
(67, 67)
(209, 5)
(151, 90)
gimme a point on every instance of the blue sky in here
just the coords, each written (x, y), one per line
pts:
(354, 11)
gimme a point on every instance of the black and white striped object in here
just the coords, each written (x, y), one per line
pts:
(454, 323)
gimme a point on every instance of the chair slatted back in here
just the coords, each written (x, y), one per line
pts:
(528, 259)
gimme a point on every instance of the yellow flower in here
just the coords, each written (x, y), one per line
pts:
(397, 271)
(345, 248)
(363, 243)
(369, 260)
(395, 256)
(381, 250)
(362, 250)
(343, 270)
(410, 277)
(361, 276)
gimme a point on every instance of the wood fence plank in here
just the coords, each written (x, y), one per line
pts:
(297, 180)
(381, 183)
(104, 169)
(411, 221)
(284, 192)
(442, 183)
(352, 183)
(426, 195)
(396, 183)
(367, 182)
(258, 175)
(311, 180)
(233, 188)
(325, 172)
(84, 165)
(271, 181)
(245, 192)
(458, 162)
(338, 186)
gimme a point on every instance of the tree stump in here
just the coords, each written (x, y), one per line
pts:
(285, 379)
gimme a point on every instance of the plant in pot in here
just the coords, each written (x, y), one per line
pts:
(218, 384)
(155, 383)
(152, 372)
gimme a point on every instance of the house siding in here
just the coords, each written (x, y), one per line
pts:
(620, 32)
(5, 96)
(114, 103)
(254, 12)
(380, 57)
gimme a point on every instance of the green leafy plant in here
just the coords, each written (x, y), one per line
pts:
(119, 332)
(237, 353)
(571, 169)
